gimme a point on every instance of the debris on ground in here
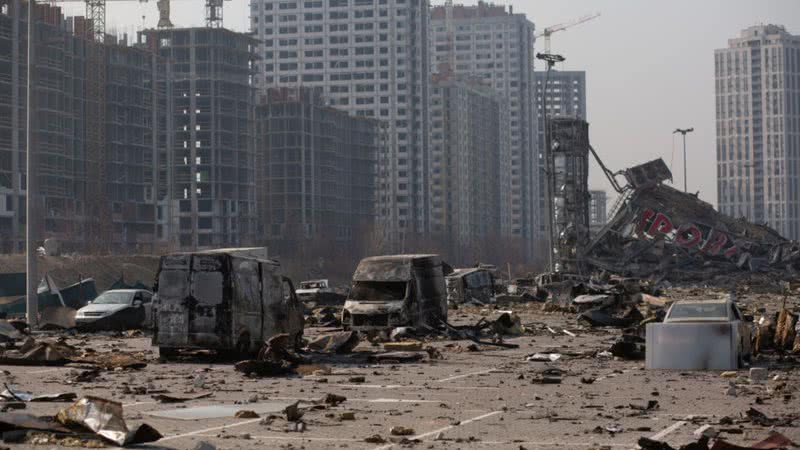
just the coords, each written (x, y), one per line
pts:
(341, 342)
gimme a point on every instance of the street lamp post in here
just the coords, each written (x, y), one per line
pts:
(32, 300)
(684, 132)
(550, 60)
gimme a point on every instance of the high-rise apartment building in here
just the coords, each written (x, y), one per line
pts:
(315, 171)
(564, 96)
(206, 188)
(467, 139)
(370, 58)
(758, 127)
(495, 44)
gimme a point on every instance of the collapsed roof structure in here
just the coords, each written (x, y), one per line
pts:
(660, 232)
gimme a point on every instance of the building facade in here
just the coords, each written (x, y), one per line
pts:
(493, 43)
(467, 140)
(758, 127)
(206, 177)
(316, 169)
(563, 93)
(598, 214)
(370, 58)
(93, 137)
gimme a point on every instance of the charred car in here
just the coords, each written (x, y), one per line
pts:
(400, 290)
(476, 285)
(695, 335)
(225, 300)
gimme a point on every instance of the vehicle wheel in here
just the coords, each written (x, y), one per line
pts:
(167, 353)
(243, 347)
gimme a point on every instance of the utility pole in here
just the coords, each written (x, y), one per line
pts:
(32, 299)
(684, 132)
(551, 61)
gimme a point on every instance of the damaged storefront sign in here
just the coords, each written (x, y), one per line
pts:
(661, 232)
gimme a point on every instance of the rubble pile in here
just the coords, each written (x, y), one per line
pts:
(665, 234)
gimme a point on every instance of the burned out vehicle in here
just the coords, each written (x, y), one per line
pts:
(475, 285)
(695, 335)
(400, 290)
(231, 299)
(318, 292)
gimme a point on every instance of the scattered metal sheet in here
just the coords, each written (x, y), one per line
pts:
(24, 396)
(104, 417)
(218, 411)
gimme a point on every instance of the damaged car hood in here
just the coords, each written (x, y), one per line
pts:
(104, 308)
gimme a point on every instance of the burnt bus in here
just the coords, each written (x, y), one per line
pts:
(400, 290)
(225, 300)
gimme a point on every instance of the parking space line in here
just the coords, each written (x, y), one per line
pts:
(661, 434)
(465, 375)
(57, 369)
(289, 438)
(365, 400)
(449, 427)
(207, 430)
(400, 386)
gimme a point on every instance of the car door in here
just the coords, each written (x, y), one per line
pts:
(743, 329)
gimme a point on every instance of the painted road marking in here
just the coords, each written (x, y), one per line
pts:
(465, 375)
(57, 369)
(661, 434)
(399, 386)
(366, 400)
(449, 427)
(288, 438)
(208, 430)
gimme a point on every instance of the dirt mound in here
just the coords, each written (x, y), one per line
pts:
(105, 270)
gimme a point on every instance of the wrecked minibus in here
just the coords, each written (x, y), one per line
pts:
(399, 290)
(474, 285)
(224, 300)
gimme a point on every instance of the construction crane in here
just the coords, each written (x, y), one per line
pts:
(96, 14)
(556, 28)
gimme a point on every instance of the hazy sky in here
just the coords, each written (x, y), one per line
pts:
(649, 64)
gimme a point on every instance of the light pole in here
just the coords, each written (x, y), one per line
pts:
(684, 132)
(31, 297)
(551, 61)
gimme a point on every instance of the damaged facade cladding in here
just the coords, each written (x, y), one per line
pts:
(660, 230)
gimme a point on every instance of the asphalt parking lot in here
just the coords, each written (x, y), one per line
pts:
(489, 398)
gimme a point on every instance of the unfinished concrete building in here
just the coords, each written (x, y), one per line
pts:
(468, 142)
(93, 135)
(316, 171)
(206, 177)
(569, 169)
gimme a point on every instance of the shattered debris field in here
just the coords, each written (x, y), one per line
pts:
(463, 396)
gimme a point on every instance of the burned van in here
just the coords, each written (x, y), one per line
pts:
(475, 285)
(392, 291)
(231, 299)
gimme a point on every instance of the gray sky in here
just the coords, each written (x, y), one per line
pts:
(649, 64)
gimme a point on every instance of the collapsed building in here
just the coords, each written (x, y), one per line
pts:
(660, 232)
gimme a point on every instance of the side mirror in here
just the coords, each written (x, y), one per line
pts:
(748, 317)
(137, 303)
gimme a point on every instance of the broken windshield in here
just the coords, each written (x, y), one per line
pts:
(379, 291)
(699, 311)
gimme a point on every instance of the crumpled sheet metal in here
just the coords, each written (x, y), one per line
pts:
(11, 394)
(660, 229)
(104, 417)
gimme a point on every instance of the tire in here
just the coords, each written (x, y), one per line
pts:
(167, 353)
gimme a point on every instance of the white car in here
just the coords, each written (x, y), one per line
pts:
(700, 334)
(118, 309)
